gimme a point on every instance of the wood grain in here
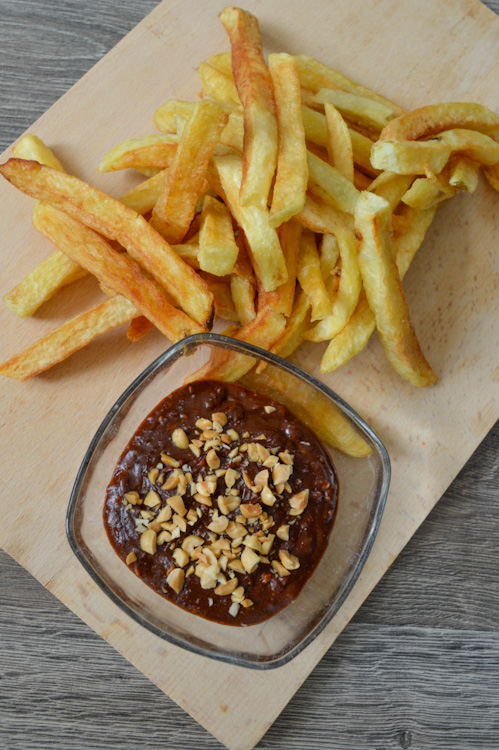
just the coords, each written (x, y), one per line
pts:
(51, 65)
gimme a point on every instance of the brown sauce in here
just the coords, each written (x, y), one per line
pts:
(281, 530)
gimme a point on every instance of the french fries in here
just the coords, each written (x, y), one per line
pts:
(358, 109)
(339, 142)
(435, 118)
(175, 207)
(151, 151)
(291, 179)
(281, 299)
(254, 86)
(118, 222)
(243, 284)
(217, 246)
(384, 291)
(410, 157)
(308, 272)
(328, 184)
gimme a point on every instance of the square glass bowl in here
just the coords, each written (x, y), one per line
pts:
(363, 487)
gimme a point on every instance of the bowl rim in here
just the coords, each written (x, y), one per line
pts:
(182, 348)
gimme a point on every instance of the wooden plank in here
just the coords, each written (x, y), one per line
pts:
(434, 419)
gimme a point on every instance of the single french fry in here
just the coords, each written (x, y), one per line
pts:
(113, 269)
(346, 299)
(116, 221)
(222, 61)
(298, 322)
(232, 136)
(411, 157)
(69, 338)
(254, 86)
(328, 184)
(426, 121)
(263, 241)
(138, 328)
(220, 288)
(189, 251)
(156, 150)
(463, 174)
(33, 148)
(216, 85)
(174, 210)
(314, 76)
(217, 246)
(339, 142)
(243, 284)
(407, 243)
(426, 192)
(165, 116)
(384, 291)
(315, 410)
(329, 252)
(364, 111)
(292, 171)
(262, 331)
(281, 299)
(392, 187)
(471, 143)
(322, 218)
(144, 196)
(308, 273)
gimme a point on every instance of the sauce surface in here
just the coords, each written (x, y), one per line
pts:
(222, 502)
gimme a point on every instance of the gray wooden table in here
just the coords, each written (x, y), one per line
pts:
(419, 665)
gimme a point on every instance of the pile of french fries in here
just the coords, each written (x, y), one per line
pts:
(289, 200)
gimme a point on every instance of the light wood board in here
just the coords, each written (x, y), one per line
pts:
(414, 53)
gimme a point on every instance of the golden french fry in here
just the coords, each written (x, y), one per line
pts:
(222, 61)
(315, 410)
(435, 118)
(216, 85)
(189, 252)
(407, 243)
(330, 186)
(165, 117)
(220, 288)
(33, 148)
(329, 253)
(69, 338)
(262, 331)
(322, 218)
(411, 157)
(352, 339)
(263, 241)
(116, 221)
(471, 143)
(281, 299)
(347, 297)
(463, 174)
(364, 111)
(314, 76)
(243, 284)
(113, 269)
(308, 273)
(174, 210)
(426, 192)
(384, 291)
(150, 151)
(217, 246)
(391, 187)
(339, 142)
(232, 136)
(254, 86)
(143, 197)
(292, 171)
(138, 328)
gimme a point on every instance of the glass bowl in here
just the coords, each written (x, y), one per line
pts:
(363, 486)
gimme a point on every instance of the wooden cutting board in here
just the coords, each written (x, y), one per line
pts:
(414, 53)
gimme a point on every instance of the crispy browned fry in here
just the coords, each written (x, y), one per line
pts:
(315, 410)
(314, 75)
(174, 210)
(220, 288)
(263, 241)
(308, 273)
(69, 338)
(339, 142)
(262, 331)
(243, 284)
(116, 221)
(281, 299)
(138, 328)
(112, 269)
(216, 85)
(217, 246)
(254, 86)
(328, 184)
(150, 151)
(384, 291)
(290, 185)
(433, 119)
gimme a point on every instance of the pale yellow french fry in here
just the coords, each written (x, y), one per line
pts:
(391, 187)
(33, 148)
(463, 174)
(216, 85)
(330, 186)
(69, 338)
(217, 246)
(290, 185)
(281, 299)
(346, 299)
(358, 109)
(263, 241)
(308, 273)
(322, 218)
(232, 135)
(144, 196)
(339, 142)
(384, 291)
(329, 253)
(410, 157)
(426, 121)
(165, 117)
(156, 150)
(471, 143)
(243, 284)
(254, 86)
(314, 75)
(175, 208)
(222, 61)
(427, 192)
